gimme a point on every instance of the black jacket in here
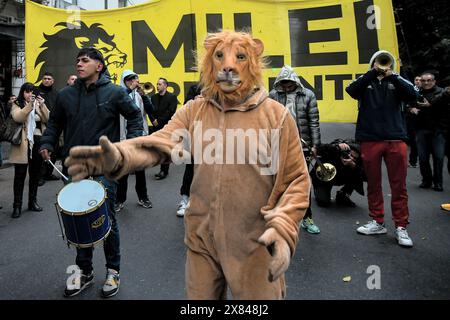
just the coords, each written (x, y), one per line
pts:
(436, 117)
(165, 107)
(49, 94)
(380, 105)
(85, 114)
(331, 153)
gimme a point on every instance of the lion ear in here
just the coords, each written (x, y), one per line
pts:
(211, 41)
(259, 48)
(79, 41)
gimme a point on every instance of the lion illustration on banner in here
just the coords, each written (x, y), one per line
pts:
(61, 48)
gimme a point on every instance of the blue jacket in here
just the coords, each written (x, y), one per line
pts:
(380, 106)
(85, 114)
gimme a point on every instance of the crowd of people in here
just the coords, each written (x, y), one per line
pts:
(392, 114)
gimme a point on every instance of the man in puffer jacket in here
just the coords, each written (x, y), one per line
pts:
(302, 104)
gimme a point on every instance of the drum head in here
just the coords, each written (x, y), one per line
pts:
(81, 197)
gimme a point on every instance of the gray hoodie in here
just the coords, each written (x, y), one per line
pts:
(303, 106)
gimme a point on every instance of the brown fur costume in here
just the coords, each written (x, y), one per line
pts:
(236, 215)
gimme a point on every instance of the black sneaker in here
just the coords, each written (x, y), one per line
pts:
(146, 203)
(344, 200)
(118, 206)
(85, 282)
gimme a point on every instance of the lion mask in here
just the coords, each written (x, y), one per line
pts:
(231, 67)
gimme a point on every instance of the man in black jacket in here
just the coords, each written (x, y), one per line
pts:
(345, 156)
(381, 131)
(48, 92)
(165, 104)
(433, 122)
(85, 111)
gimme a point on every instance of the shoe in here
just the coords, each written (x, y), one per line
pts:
(309, 226)
(51, 177)
(438, 187)
(85, 282)
(412, 165)
(402, 237)
(161, 175)
(118, 206)
(17, 212)
(371, 228)
(182, 206)
(41, 182)
(425, 185)
(445, 206)
(112, 282)
(146, 203)
(344, 200)
(33, 206)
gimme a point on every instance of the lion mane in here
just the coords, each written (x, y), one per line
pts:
(250, 76)
(62, 47)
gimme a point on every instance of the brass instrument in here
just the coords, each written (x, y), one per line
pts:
(384, 61)
(324, 171)
(148, 88)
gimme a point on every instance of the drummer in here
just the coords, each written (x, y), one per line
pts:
(85, 111)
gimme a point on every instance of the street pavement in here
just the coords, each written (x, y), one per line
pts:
(34, 258)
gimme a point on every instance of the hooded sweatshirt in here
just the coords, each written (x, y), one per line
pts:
(301, 103)
(380, 104)
(135, 96)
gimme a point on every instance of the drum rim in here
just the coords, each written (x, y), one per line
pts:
(90, 244)
(81, 213)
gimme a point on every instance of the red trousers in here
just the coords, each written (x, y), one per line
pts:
(395, 157)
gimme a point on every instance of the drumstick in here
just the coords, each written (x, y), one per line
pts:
(65, 178)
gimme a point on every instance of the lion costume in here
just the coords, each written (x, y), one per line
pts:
(241, 225)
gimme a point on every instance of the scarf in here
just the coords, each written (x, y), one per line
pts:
(31, 126)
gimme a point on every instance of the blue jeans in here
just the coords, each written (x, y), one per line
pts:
(431, 143)
(111, 246)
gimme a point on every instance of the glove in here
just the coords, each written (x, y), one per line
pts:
(99, 160)
(279, 250)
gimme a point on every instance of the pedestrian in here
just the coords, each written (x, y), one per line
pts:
(433, 123)
(85, 111)
(381, 132)
(31, 110)
(185, 190)
(165, 104)
(130, 82)
(345, 156)
(48, 92)
(411, 113)
(302, 104)
(241, 225)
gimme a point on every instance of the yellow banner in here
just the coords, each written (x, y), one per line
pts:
(328, 42)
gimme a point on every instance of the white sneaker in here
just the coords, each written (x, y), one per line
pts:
(372, 227)
(402, 237)
(182, 206)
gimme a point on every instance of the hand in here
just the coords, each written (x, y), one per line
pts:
(40, 100)
(414, 111)
(344, 146)
(424, 104)
(314, 151)
(281, 254)
(382, 71)
(85, 161)
(45, 154)
(348, 162)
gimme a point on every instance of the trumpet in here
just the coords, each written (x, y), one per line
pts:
(384, 61)
(324, 171)
(147, 88)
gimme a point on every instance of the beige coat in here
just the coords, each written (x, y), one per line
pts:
(231, 205)
(19, 154)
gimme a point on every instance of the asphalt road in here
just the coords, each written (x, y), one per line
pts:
(34, 258)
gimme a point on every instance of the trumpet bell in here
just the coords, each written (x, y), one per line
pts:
(384, 61)
(148, 88)
(328, 174)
